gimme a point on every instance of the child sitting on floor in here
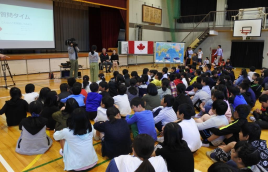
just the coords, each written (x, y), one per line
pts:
(200, 96)
(103, 89)
(33, 139)
(164, 90)
(261, 117)
(76, 90)
(93, 101)
(133, 90)
(117, 135)
(165, 73)
(106, 102)
(157, 79)
(86, 83)
(235, 98)
(30, 95)
(142, 119)
(15, 109)
(76, 142)
(151, 98)
(121, 100)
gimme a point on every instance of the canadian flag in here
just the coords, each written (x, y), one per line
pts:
(140, 47)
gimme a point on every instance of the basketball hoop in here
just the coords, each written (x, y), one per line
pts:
(245, 33)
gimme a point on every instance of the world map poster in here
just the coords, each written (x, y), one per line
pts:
(169, 52)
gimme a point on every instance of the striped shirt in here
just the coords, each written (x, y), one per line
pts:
(166, 115)
(173, 89)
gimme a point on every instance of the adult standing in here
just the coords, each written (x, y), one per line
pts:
(190, 53)
(200, 56)
(218, 52)
(105, 60)
(93, 62)
(115, 60)
(73, 56)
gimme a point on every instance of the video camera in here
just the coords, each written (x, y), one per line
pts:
(69, 41)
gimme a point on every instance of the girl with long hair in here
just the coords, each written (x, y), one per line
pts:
(93, 62)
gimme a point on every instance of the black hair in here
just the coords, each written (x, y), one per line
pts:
(119, 80)
(214, 72)
(152, 89)
(221, 80)
(132, 89)
(250, 156)
(134, 74)
(234, 90)
(111, 113)
(201, 68)
(263, 98)
(187, 110)
(125, 71)
(198, 71)
(256, 74)
(144, 78)
(153, 71)
(219, 46)
(178, 76)
(115, 74)
(127, 76)
(247, 82)
(218, 94)
(209, 66)
(165, 70)
(193, 67)
(51, 99)
(251, 129)
(200, 48)
(165, 84)
(43, 94)
(244, 73)
(252, 68)
(205, 80)
(220, 167)
(29, 88)
(223, 89)
(137, 101)
(93, 48)
(174, 68)
(15, 94)
(108, 101)
(207, 74)
(172, 77)
(85, 81)
(35, 107)
(186, 77)
(102, 77)
(187, 70)
(220, 106)
(198, 80)
(160, 75)
(145, 71)
(206, 57)
(173, 137)
(71, 105)
(77, 87)
(104, 85)
(63, 87)
(122, 89)
(94, 87)
(181, 88)
(143, 146)
(78, 122)
(71, 81)
(243, 111)
(169, 100)
(244, 86)
(260, 80)
(197, 85)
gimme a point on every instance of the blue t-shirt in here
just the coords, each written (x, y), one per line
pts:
(145, 122)
(239, 100)
(93, 101)
(79, 98)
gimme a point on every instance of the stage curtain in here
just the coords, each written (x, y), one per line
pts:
(123, 15)
(110, 26)
(95, 37)
(246, 54)
(71, 21)
(240, 4)
(115, 3)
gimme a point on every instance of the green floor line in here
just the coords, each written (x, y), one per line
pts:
(57, 160)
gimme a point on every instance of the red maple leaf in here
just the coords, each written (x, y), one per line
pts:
(140, 46)
(0, 28)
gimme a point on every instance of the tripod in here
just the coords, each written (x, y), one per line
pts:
(5, 67)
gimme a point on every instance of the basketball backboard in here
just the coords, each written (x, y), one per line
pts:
(251, 28)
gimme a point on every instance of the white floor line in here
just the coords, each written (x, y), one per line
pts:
(5, 164)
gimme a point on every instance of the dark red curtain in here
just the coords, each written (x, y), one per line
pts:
(116, 3)
(95, 31)
(110, 26)
(123, 15)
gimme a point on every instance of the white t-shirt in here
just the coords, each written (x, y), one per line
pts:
(185, 82)
(200, 54)
(87, 87)
(101, 115)
(30, 97)
(129, 163)
(250, 74)
(123, 104)
(191, 134)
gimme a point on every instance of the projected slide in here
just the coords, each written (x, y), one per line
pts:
(27, 25)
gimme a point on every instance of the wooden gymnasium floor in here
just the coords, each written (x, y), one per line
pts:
(52, 161)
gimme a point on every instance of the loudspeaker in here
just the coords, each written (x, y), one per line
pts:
(65, 73)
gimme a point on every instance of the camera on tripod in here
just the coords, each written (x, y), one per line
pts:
(68, 42)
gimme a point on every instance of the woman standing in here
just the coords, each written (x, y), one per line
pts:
(93, 61)
(115, 60)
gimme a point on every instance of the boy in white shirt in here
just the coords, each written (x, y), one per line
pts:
(219, 107)
(30, 95)
(189, 129)
(121, 100)
(165, 73)
(106, 102)
(200, 56)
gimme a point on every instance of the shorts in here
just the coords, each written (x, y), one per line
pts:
(200, 60)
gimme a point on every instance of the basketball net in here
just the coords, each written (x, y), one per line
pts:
(245, 35)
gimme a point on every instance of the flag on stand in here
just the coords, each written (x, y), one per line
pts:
(140, 47)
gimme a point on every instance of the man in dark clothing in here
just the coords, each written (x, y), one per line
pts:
(105, 60)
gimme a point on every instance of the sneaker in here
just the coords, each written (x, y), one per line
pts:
(205, 145)
(211, 155)
(252, 118)
(61, 152)
(160, 139)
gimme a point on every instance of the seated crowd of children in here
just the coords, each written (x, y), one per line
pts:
(163, 103)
